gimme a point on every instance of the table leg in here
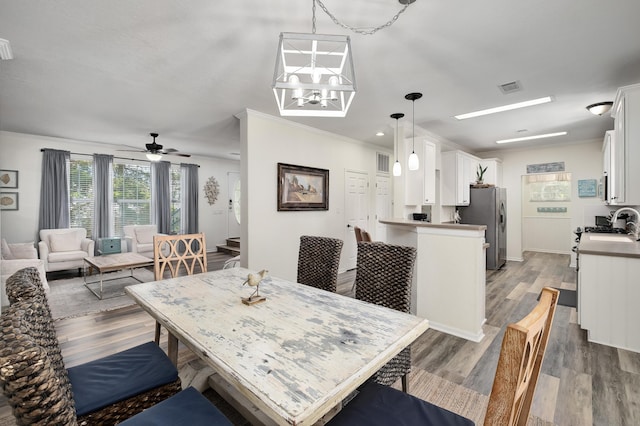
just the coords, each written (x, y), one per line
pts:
(172, 349)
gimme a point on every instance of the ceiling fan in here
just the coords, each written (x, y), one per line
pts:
(155, 151)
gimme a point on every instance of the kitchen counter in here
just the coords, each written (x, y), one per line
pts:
(619, 245)
(449, 276)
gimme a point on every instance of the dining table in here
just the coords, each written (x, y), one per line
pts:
(296, 355)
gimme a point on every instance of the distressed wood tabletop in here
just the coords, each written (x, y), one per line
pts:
(295, 355)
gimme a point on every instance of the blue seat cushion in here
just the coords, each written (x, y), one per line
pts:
(105, 381)
(379, 405)
(188, 407)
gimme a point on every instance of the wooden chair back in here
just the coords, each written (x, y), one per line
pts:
(174, 252)
(358, 232)
(519, 364)
(366, 236)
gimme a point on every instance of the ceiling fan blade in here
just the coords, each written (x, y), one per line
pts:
(178, 154)
(167, 150)
(132, 150)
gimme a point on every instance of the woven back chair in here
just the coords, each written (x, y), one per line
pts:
(519, 363)
(384, 278)
(31, 370)
(318, 262)
(175, 253)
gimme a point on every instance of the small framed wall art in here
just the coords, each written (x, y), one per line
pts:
(8, 178)
(8, 201)
(302, 188)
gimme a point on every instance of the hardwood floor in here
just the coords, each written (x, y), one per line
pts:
(581, 383)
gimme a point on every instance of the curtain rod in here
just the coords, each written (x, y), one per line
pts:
(121, 158)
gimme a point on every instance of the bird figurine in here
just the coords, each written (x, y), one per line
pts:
(254, 280)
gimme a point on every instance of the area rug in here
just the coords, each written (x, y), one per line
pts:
(70, 298)
(567, 297)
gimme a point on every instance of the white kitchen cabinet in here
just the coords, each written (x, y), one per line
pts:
(493, 175)
(625, 147)
(420, 185)
(429, 181)
(606, 166)
(458, 172)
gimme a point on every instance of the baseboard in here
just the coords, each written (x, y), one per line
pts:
(477, 337)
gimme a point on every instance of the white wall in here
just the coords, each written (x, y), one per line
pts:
(22, 152)
(270, 239)
(583, 161)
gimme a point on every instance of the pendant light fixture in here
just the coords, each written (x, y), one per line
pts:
(314, 74)
(414, 161)
(397, 168)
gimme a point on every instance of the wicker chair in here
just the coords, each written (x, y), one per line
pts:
(384, 278)
(173, 253)
(521, 356)
(151, 380)
(318, 261)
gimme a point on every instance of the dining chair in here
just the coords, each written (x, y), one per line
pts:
(175, 253)
(358, 233)
(39, 387)
(383, 277)
(366, 236)
(318, 261)
(521, 355)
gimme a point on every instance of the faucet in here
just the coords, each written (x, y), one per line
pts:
(636, 228)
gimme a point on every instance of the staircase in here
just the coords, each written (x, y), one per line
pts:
(232, 247)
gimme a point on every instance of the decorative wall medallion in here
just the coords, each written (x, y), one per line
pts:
(211, 190)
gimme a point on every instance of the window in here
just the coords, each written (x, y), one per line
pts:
(131, 195)
(81, 194)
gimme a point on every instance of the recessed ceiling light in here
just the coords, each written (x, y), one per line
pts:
(509, 107)
(527, 138)
(380, 134)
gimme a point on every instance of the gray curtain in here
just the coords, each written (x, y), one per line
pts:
(189, 198)
(102, 193)
(54, 190)
(161, 196)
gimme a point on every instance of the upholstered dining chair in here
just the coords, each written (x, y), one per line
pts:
(175, 253)
(42, 391)
(521, 355)
(318, 262)
(383, 277)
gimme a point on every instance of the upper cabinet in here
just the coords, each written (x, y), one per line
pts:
(420, 185)
(493, 175)
(624, 175)
(458, 172)
(607, 146)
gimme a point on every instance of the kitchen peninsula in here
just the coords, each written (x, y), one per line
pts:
(449, 275)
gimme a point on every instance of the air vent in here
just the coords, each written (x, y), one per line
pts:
(383, 163)
(511, 87)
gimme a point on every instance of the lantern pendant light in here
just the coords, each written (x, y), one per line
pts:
(414, 161)
(397, 168)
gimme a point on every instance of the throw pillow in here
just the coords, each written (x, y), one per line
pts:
(145, 235)
(24, 251)
(64, 242)
(6, 251)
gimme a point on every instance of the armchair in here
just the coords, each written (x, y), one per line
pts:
(140, 238)
(65, 248)
(15, 257)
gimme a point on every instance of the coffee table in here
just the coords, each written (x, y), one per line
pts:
(112, 263)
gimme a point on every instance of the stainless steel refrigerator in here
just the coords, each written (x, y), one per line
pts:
(488, 206)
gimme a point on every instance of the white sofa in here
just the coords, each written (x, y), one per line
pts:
(65, 248)
(140, 238)
(16, 257)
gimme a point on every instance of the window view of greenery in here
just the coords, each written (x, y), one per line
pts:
(81, 195)
(131, 195)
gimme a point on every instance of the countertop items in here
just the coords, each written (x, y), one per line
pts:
(620, 245)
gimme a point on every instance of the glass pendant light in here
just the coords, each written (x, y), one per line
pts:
(414, 161)
(397, 168)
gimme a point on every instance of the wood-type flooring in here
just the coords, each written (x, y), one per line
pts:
(581, 383)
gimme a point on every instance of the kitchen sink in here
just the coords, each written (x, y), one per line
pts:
(611, 238)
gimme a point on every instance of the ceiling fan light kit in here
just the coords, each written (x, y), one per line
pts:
(155, 151)
(314, 74)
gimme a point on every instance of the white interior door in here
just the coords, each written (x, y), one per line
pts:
(233, 208)
(356, 213)
(383, 206)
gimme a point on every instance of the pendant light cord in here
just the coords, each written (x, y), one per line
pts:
(363, 31)
(413, 122)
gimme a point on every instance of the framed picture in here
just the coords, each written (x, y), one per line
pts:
(8, 178)
(8, 201)
(302, 188)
